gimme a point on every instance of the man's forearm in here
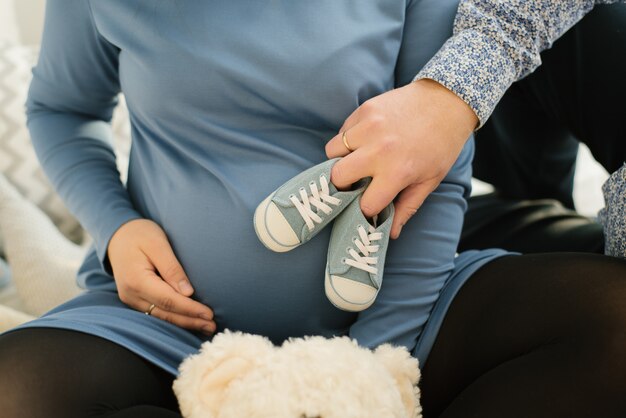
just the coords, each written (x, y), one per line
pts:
(497, 42)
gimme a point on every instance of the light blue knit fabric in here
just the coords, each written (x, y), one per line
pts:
(228, 100)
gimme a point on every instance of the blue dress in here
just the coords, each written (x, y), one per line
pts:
(228, 100)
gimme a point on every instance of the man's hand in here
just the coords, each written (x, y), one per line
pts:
(407, 140)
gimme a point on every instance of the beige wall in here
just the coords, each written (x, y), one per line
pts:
(21, 21)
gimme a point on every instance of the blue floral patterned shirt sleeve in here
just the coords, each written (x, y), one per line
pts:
(612, 215)
(497, 42)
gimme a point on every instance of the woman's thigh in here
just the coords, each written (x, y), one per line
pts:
(55, 373)
(533, 335)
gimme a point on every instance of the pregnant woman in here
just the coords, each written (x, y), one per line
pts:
(227, 101)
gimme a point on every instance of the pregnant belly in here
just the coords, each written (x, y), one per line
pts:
(249, 287)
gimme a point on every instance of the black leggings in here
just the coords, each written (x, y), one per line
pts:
(540, 335)
(56, 373)
(527, 336)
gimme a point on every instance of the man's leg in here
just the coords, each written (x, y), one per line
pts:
(528, 226)
(527, 150)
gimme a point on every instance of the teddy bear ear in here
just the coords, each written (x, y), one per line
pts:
(405, 370)
(205, 377)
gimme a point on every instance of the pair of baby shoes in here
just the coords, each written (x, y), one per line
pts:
(303, 206)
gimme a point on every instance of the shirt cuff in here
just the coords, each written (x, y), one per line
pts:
(475, 68)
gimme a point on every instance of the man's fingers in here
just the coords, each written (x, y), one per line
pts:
(170, 270)
(351, 120)
(187, 322)
(335, 147)
(351, 169)
(377, 196)
(353, 136)
(407, 204)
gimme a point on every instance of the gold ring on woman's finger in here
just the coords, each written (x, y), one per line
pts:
(344, 138)
(149, 311)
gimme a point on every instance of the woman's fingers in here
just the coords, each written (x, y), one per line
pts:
(169, 305)
(187, 322)
(162, 295)
(139, 252)
(162, 256)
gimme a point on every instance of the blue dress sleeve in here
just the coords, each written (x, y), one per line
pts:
(428, 24)
(422, 260)
(69, 108)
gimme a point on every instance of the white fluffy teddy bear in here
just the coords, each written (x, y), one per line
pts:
(241, 375)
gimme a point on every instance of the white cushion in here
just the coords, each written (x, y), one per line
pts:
(18, 161)
(42, 260)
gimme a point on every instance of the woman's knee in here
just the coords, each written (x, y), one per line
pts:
(594, 319)
(29, 376)
(603, 326)
(61, 373)
(599, 347)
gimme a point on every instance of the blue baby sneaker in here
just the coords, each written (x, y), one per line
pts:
(356, 257)
(302, 207)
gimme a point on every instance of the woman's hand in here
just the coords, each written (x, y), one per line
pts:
(147, 272)
(407, 140)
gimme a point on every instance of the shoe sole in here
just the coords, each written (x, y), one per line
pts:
(340, 302)
(261, 229)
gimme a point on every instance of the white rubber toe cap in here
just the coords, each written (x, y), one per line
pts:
(273, 229)
(349, 295)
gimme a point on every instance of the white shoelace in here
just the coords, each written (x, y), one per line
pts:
(319, 198)
(365, 262)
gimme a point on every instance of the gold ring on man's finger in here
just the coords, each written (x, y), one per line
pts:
(344, 138)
